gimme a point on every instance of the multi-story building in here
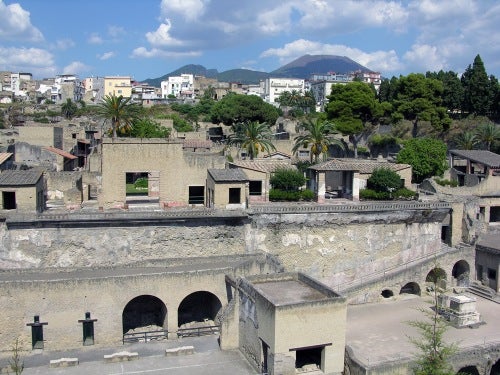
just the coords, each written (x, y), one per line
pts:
(369, 77)
(94, 89)
(118, 85)
(179, 86)
(274, 87)
(17, 85)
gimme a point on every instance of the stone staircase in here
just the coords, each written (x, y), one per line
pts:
(483, 291)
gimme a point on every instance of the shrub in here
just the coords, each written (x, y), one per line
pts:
(277, 195)
(287, 179)
(384, 180)
(369, 194)
(307, 195)
(404, 193)
(141, 182)
(445, 182)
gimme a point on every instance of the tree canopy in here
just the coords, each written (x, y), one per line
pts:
(236, 108)
(427, 156)
(253, 137)
(121, 111)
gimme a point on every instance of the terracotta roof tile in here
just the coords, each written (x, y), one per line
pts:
(60, 152)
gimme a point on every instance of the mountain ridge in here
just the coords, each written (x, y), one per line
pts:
(302, 67)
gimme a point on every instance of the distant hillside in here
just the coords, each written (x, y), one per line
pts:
(244, 76)
(303, 67)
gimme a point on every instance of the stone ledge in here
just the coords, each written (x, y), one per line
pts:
(63, 362)
(181, 350)
(121, 357)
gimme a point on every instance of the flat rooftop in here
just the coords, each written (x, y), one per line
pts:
(288, 292)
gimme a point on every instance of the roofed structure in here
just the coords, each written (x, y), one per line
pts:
(227, 175)
(359, 165)
(19, 178)
(487, 158)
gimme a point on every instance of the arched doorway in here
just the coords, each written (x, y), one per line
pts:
(387, 293)
(469, 370)
(461, 272)
(144, 313)
(410, 288)
(435, 275)
(495, 370)
(198, 307)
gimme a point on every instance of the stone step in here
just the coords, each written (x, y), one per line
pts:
(483, 291)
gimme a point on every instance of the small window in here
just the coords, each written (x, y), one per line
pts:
(303, 153)
(234, 195)
(196, 195)
(88, 329)
(492, 274)
(9, 200)
(255, 188)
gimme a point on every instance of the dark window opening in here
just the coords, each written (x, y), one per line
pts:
(255, 188)
(307, 357)
(88, 329)
(469, 370)
(196, 195)
(479, 272)
(136, 183)
(387, 293)
(198, 307)
(234, 195)
(36, 332)
(492, 274)
(494, 214)
(461, 272)
(444, 233)
(144, 313)
(9, 200)
(482, 212)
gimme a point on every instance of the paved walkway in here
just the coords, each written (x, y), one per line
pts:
(207, 359)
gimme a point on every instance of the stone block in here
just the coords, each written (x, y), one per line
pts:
(63, 362)
(121, 357)
(181, 350)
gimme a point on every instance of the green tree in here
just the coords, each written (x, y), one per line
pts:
(466, 140)
(69, 109)
(317, 135)
(477, 89)
(384, 180)
(419, 99)
(121, 111)
(488, 134)
(434, 353)
(352, 107)
(287, 179)
(453, 92)
(236, 108)
(253, 137)
(147, 128)
(427, 156)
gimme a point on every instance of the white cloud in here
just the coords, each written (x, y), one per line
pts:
(425, 58)
(37, 61)
(275, 21)
(382, 61)
(63, 44)
(106, 55)
(156, 52)
(15, 24)
(190, 9)
(161, 37)
(76, 67)
(95, 38)
(116, 31)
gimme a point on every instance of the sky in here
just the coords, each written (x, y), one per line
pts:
(150, 38)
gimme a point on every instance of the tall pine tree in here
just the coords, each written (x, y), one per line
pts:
(477, 89)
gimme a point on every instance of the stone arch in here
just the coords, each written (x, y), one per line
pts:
(461, 272)
(468, 370)
(144, 311)
(387, 293)
(410, 288)
(198, 307)
(436, 274)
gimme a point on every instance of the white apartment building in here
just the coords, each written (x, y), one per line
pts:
(16, 83)
(274, 87)
(180, 86)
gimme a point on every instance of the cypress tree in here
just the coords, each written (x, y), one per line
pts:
(477, 89)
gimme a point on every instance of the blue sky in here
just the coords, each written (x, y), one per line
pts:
(150, 38)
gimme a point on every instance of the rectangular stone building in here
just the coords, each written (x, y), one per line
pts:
(21, 191)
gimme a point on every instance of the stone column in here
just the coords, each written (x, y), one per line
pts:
(321, 187)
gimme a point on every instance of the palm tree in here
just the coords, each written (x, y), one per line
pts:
(121, 111)
(253, 136)
(318, 135)
(69, 109)
(466, 140)
(488, 134)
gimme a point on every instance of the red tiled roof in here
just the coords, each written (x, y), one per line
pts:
(267, 166)
(4, 156)
(60, 152)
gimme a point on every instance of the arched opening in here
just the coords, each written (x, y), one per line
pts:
(469, 370)
(144, 313)
(435, 275)
(495, 370)
(460, 272)
(410, 288)
(387, 293)
(198, 307)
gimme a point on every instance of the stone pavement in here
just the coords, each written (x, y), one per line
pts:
(378, 332)
(207, 359)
